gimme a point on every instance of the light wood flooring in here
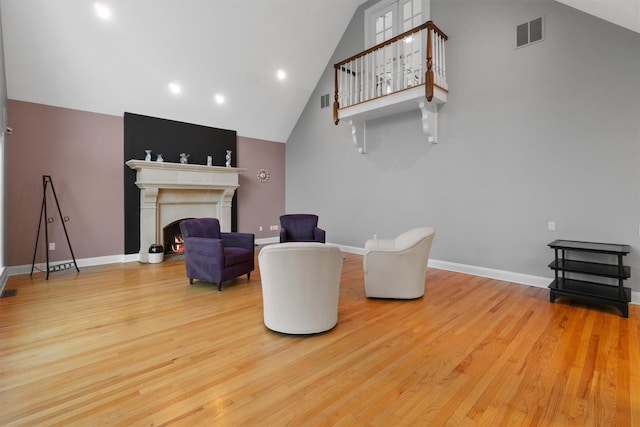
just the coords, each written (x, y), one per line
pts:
(135, 345)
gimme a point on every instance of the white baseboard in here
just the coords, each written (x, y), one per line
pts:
(351, 249)
(4, 275)
(507, 276)
(267, 240)
(84, 262)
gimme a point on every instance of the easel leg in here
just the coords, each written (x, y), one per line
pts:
(46, 180)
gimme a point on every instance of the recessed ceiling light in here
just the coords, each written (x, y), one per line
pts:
(102, 10)
(219, 98)
(174, 88)
(281, 74)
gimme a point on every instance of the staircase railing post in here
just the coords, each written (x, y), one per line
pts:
(336, 104)
(428, 77)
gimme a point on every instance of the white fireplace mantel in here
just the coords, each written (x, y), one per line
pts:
(172, 191)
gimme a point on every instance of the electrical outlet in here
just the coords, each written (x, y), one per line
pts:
(552, 226)
(260, 228)
(52, 246)
(273, 227)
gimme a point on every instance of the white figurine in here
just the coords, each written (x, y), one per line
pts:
(228, 157)
(147, 158)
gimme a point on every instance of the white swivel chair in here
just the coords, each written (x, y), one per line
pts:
(300, 286)
(396, 268)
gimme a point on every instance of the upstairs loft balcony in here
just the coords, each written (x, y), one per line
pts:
(403, 73)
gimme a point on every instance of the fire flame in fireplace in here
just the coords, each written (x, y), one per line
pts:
(178, 244)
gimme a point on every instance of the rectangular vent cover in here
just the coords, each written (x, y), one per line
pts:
(9, 293)
(529, 33)
(324, 101)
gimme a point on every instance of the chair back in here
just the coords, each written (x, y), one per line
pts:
(396, 268)
(422, 236)
(300, 286)
(200, 227)
(299, 226)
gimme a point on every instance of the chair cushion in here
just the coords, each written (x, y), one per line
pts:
(201, 227)
(233, 256)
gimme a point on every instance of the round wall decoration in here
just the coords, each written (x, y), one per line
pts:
(263, 175)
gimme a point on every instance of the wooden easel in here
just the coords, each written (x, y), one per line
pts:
(46, 181)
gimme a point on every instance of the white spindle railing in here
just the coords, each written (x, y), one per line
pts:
(410, 59)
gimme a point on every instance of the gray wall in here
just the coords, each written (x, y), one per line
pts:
(550, 132)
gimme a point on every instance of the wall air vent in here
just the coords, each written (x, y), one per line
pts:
(324, 101)
(529, 32)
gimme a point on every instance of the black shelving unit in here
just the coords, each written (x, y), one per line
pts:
(601, 293)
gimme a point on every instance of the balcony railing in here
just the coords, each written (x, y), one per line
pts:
(412, 59)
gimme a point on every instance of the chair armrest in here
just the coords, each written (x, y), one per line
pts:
(387, 259)
(238, 240)
(319, 234)
(283, 234)
(205, 248)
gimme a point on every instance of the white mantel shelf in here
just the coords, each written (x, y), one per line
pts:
(170, 175)
(173, 191)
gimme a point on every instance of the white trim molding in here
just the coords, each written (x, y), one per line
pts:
(507, 276)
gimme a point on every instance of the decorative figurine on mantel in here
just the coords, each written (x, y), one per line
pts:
(159, 159)
(184, 158)
(147, 158)
(228, 157)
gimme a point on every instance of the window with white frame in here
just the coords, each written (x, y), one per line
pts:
(388, 18)
(385, 20)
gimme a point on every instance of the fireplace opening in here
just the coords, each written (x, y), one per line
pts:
(172, 238)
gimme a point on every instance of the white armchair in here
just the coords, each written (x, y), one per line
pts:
(300, 286)
(396, 268)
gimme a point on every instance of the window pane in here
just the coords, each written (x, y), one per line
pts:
(388, 34)
(388, 20)
(379, 24)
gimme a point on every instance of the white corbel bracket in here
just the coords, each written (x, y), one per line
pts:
(354, 135)
(429, 122)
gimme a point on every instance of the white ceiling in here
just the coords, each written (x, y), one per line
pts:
(625, 13)
(61, 53)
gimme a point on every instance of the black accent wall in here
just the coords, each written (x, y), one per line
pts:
(169, 138)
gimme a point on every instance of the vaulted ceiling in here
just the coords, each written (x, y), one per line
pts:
(625, 13)
(63, 53)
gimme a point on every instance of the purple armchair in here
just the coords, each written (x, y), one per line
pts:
(300, 228)
(213, 256)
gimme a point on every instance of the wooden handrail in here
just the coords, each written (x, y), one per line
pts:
(429, 24)
(429, 74)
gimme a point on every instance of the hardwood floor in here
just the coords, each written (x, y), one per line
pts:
(135, 345)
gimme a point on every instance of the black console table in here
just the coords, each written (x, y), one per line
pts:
(618, 296)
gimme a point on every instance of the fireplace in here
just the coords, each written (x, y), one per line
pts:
(171, 192)
(172, 238)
